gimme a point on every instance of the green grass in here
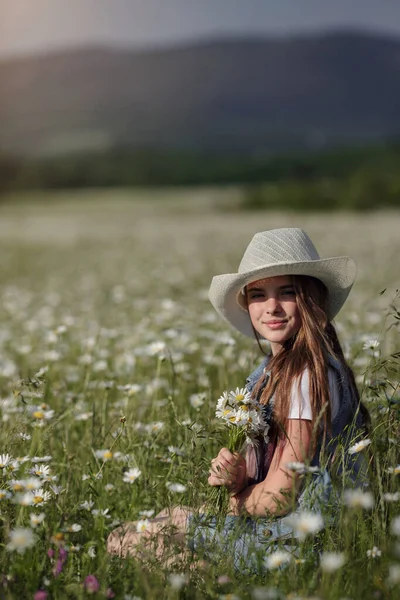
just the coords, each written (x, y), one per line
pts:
(87, 289)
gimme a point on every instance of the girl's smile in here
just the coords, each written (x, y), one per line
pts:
(273, 309)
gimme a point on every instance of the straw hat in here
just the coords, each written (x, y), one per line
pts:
(280, 252)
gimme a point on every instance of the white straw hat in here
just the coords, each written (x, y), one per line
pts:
(280, 252)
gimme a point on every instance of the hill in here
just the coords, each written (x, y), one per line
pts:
(233, 95)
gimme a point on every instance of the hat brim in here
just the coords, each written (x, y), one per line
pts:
(338, 274)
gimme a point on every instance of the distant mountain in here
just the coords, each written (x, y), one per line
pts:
(229, 95)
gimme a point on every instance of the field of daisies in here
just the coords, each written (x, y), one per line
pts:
(111, 364)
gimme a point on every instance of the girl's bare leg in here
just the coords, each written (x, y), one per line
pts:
(168, 526)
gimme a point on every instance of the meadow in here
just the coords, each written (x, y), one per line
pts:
(111, 363)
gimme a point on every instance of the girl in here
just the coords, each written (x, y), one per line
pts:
(286, 294)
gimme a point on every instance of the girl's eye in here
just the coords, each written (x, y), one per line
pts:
(255, 295)
(288, 293)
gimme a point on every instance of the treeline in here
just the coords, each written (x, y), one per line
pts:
(353, 178)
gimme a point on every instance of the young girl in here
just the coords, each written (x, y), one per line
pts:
(286, 294)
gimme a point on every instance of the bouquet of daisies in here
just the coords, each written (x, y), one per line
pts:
(245, 422)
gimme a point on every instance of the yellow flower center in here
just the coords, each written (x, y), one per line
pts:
(38, 414)
(239, 398)
(38, 499)
(107, 455)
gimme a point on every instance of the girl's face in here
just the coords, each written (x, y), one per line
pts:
(273, 309)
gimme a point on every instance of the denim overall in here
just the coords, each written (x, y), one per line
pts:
(247, 540)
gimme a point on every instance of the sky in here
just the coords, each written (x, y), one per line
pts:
(30, 26)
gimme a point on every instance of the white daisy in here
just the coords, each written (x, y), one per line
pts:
(197, 400)
(277, 559)
(371, 344)
(240, 396)
(40, 496)
(5, 460)
(374, 552)
(177, 580)
(24, 499)
(176, 487)
(394, 574)
(32, 483)
(142, 525)
(147, 513)
(359, 446)
(358, 499)
(305, 523)
(21, 539)
(391, 497)
(36, 519)
(331, 561)
(131, 475)
(175, 450)
(395, 526)
(74, 528)
(394, 470)
(104, 455)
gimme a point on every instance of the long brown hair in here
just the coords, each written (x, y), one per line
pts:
(308, 349)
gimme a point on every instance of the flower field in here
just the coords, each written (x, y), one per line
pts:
(111, 363)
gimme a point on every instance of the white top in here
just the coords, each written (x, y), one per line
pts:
(300, 396)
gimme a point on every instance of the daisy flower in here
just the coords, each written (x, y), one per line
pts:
(331, 561)
(240, 396)
(36, 519)
(371, 344)
(277, 559)
(131, 475)
(177, 580)
(175, 450)
(5, 460)
(395, 526)
(359, 446)
(394, 470)
(24, 499)
(374, 552)
(146, 513)
(41, 459)
(40, 470)
(391, 497)
(176, 487)
(74, 528)
(197, 400)
(142, 525)
(40, 496)
(358, 499)
(21, 539)
(305, 523)
(32, 483)
(104, 455)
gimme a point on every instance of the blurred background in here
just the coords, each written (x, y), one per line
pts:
(296, 101)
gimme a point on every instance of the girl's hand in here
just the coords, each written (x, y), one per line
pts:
(229, 470)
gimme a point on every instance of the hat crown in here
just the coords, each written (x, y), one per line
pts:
(278, 246)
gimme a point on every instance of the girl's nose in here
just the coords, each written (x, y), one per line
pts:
(271, 305)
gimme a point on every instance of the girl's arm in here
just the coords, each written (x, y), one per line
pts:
(275, 495)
